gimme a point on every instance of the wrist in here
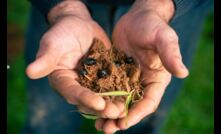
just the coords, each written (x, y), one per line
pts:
(164, 8)
(68, 8)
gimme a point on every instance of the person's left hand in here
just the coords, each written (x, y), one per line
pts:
(144, 34)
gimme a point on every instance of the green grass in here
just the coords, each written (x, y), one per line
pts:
(16, 98)
(17, 12)
(192, 112)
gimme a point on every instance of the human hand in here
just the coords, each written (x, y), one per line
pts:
(61, 47)
(143, 33)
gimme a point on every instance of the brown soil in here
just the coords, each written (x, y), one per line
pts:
(104, 70)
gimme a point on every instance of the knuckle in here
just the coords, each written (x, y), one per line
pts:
(46, 39)
(171, 36)
(167, 35)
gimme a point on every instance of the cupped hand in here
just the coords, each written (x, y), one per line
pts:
(61, 47)
(146, 36)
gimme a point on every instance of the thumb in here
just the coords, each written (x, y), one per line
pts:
(44, 63)
(169, 52)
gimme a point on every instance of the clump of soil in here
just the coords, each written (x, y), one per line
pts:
(104, 70)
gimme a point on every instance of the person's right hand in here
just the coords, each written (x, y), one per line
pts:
(61, 47)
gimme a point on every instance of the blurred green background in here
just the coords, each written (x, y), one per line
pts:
(192, 113)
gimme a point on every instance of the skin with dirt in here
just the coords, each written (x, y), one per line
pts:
(104, 70)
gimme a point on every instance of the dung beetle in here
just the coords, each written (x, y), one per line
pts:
(102, 73)
(89, 61)
(117, 63)
(82, 72)
(129, 60)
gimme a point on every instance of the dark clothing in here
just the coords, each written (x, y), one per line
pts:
(48, 113)
(181, 6)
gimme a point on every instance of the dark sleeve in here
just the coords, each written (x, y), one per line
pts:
(183, 6)
(44, 6)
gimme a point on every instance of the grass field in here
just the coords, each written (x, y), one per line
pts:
(192, 112)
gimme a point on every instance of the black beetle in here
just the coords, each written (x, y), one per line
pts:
(83, 72)
(89, 61)
(117, 63)
(129, 60)
(102, 73)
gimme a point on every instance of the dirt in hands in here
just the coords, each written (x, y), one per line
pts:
(103, 70)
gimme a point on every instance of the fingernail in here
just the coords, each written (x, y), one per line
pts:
(117, 129)
(183, 67)
(185, 71)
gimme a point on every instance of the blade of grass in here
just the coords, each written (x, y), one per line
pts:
(113, 93)
(127, 103)
(89, 116)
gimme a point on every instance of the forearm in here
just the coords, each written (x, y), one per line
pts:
(169, 9)
(68, 7)
(53, 9)
(164, 8)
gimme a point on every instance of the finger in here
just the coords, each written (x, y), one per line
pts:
(110, 126)
(111, 111)
(86, 110)
(121, 108)
(42, 66)
(152, 96)
(65, 83)
(46, 60)
(99, 124)
(168, 48)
